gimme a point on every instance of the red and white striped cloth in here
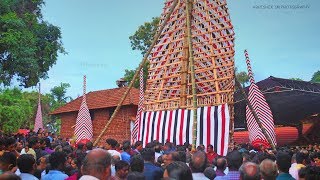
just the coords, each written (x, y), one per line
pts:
(140, 108)
(38, 123)
(260, 105)
(176, 126)
(83, 129)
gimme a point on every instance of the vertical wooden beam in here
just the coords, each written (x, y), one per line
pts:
(184, 71)
(193, 78)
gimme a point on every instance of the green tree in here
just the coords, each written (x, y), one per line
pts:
(242, 77)
(59, 93)
(29, 46)
(18, 108)
(296, 79)
(57, 98)
(141, 41)
(316, 77)
(142, 38)
(128, 76)
(15, 110)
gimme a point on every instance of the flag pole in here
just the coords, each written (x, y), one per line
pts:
(255, 114)
(193, 81)
(156, 37)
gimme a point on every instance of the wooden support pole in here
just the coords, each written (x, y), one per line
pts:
(184, 72)
(156, 37)
(255, 114)
(193, 78)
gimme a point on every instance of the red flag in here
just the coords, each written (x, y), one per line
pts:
(260, 105)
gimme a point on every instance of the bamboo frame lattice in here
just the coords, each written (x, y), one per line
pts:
(169, 83)
(191, 59)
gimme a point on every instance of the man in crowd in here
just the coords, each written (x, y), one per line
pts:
(41, 150)
(34, 145)
(284, 162)
(19, 147)
(41, 166)
(10, 146)
(96, 165)
(125, 155)
(7, 162)
(211, 154)
(234, 160)
(111, 147)
(168, 147)
(268, 169)
(210, 173)
(122, 170)
(89, 146)
(114, 160)
(136, 164)
(250, 171)
(26, 165)
(221, 166)
(198, 164)
(300, 163)
(137, 147)
(151, 172)
(57, 161)
(167, 159)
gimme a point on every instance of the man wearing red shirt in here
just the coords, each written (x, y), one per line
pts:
(211, 154)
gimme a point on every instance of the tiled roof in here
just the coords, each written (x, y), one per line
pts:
(101, 99)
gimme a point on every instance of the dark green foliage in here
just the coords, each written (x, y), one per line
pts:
(15, 108)
(29, 46)
(58, 93)
(242, 77)
(18, 109)
(142, 38)
(130, 73)
(316, 77)
(296, 79)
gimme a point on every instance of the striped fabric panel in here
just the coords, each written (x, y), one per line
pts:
(134, 134)
(176, 126)
(83, 129)
(261, 107)
(38, 121)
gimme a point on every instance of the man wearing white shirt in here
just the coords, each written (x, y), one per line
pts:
(111, 147)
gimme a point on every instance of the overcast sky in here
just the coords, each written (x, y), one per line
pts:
(282, 37)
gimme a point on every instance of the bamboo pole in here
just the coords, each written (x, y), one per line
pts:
(184, 72)
(193, 79)
(156, 37)
(255, 114)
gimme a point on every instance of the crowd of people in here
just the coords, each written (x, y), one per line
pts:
(46, 156)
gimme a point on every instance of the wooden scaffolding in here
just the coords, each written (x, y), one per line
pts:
(191, 59)
(169, 83)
